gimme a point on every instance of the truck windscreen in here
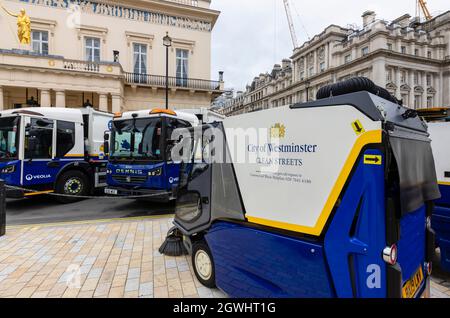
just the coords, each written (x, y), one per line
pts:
(9, 128)
(138, 139)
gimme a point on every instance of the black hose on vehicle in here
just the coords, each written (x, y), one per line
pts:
(355, 84)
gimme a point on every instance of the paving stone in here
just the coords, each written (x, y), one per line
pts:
(132, 285)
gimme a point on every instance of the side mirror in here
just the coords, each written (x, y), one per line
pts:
(106, 143)
(43, 122)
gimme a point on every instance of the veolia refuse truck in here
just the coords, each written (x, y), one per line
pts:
(140, 164)
(439, 128)
(44, 150)
(330, 198)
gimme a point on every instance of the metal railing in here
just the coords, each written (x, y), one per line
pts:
(84, 66)
(180, 82)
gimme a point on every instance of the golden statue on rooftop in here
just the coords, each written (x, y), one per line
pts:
(23, 25)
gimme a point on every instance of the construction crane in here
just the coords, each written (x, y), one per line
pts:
(287, 7)
(422, 4)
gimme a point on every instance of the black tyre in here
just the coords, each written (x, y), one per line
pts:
(73, 183)
(203, 264)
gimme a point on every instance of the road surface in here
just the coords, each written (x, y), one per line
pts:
(44, 209)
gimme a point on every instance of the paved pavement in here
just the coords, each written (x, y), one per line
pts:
(44, 209)
(94, 259)
(117, 258)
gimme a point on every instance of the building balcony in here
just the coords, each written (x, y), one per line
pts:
(159, 81)
(28, 60)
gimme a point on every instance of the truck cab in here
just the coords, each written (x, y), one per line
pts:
(46, 150)
(140, 164)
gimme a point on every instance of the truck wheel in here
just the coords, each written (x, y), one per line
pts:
(203, 264)
(72, 183)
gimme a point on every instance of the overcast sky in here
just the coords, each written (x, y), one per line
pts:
(252, 35)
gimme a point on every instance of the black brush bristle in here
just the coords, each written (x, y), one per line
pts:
(173, 245)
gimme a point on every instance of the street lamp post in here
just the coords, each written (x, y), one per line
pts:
(167, 41)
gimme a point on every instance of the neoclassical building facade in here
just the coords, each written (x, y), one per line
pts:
(109, 54)
(408, 57)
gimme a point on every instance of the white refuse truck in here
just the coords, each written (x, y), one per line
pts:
(46, 150)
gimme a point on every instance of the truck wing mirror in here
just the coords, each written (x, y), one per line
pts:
(106, 143)
(43, 122)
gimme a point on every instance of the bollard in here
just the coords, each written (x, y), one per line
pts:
(2, 208)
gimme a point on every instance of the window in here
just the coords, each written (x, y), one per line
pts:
(389, 75)
(348, 58)
(39, 139)
(311, 71)
(429, 80)
(182, 67)
(416, 102)
(403, 77)
(302, 75)
(416, 78)
(138, 139)
(65, 137)
(416, 52)
(322, 67)
(403, 49)
(389, 46)
(429, 54)
(139, 58)
(429, 101)
(39, 42)
(365, 51)
(92, 47)
(9, 126)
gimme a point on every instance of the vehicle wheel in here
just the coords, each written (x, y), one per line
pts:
(203, 264)
(72, 183)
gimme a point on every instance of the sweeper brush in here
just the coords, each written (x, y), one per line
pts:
(173, 245)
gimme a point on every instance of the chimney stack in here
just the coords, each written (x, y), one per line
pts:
(368, 18)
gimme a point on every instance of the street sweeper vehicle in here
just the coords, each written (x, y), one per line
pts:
(439, 128)
(140, 163)
(330, 198)
(46, 150)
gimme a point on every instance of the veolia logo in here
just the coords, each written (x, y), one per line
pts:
(30, 177)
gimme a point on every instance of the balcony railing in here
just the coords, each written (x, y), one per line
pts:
(75, 65)
(158, 80)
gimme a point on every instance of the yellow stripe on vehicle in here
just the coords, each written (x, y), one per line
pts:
(370, 137)
(38, 193)
(444, 183)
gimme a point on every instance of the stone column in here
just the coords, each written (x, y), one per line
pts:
(60, 99)
(379, 71)
(116, 103)
(447, 52)
(425, 88)
(411, 92)
(45, 98)
(440, 89)
(398, 83)
(2, 105)
(103, 102)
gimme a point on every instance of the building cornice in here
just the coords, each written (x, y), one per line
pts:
(175, 8)
(160, 12)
